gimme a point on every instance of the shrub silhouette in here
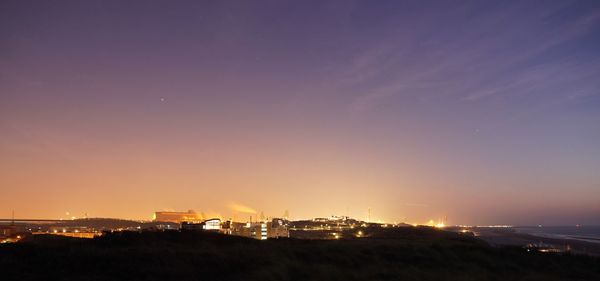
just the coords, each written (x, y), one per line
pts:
(385, 254)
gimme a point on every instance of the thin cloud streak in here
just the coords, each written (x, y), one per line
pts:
(478, 63)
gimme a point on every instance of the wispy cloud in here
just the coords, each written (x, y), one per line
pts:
(504, 53)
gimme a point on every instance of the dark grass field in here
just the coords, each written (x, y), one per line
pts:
(386, 254)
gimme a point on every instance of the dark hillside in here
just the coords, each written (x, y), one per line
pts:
(390, 254)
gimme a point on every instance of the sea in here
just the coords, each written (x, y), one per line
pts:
(582, 232)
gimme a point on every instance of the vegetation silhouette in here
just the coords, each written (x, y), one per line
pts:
(405, 253)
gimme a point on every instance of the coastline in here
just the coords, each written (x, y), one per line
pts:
(511, 237)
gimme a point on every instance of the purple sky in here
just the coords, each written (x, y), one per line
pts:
(485, 112)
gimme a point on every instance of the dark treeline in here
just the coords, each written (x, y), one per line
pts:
(384, 254)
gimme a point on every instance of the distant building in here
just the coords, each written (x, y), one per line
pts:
(7, 230)
(544, 248)
(70, 231)
(332, 219)
(278, 228)
(191, 226)
(212, 224)
(178, 217)
(207, 225)
(265, 229)
(274, 228)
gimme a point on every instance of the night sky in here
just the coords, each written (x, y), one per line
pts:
(484, 112)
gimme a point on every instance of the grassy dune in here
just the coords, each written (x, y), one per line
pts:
(385, 254)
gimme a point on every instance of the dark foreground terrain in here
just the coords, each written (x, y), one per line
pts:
(389, 254)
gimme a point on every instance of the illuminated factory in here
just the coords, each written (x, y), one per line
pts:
(178, 217)
(262, 230)
(274, 228)
(8, 233)
(208, 225)
(77, 232)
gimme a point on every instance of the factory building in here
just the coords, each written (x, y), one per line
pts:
(178, 217)
(207, 225)
(278, 228)
(274, 228)
(9, 234)
(212, 224)
(7, 230)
